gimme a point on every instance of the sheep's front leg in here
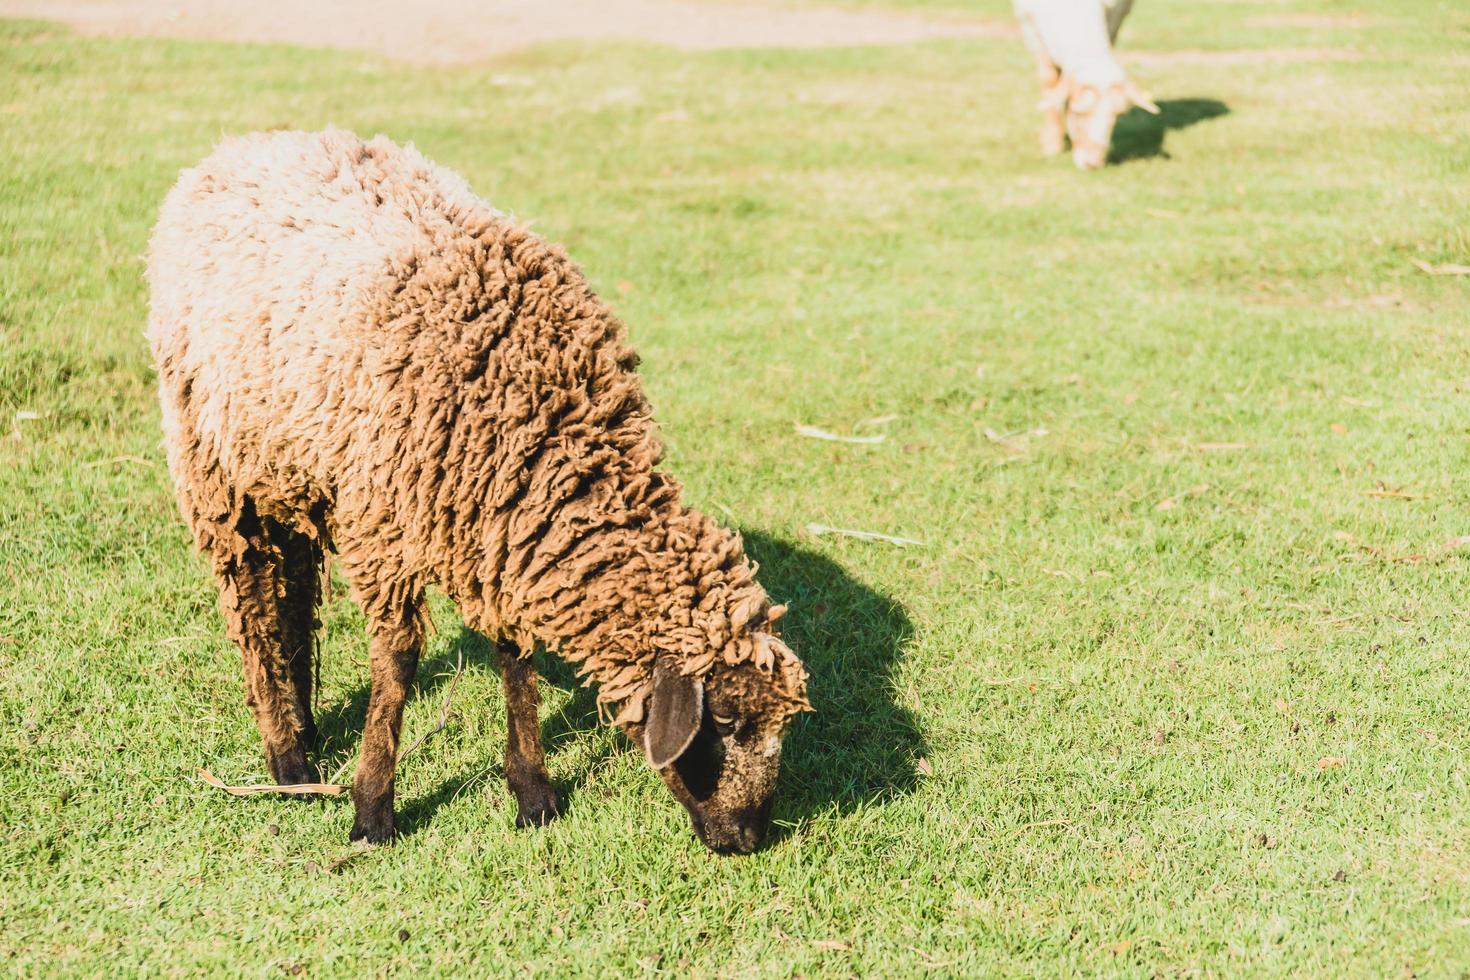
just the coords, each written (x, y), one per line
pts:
(395, 659)
(1053, 105)
(525, 759)
(1053, 100)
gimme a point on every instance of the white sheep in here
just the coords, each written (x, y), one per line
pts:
(1072, 41)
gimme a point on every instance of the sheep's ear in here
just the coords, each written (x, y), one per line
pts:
(675, 709)
(1056, 96)
(1140, 98)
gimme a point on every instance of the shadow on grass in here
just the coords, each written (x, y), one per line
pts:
(1139, 135)
(858, 747)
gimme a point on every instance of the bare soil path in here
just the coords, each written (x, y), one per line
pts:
(458, 31)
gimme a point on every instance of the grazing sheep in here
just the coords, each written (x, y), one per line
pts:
(1072, 41)
(357, 354)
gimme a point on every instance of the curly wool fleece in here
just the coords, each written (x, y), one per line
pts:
(359, 347)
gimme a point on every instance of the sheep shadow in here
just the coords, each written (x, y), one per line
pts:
(1139, 135)
(859, 745)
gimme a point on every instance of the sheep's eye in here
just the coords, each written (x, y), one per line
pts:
(724, 724)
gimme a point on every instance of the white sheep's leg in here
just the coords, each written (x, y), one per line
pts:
(396, 641)
(525, 759)
(1053, 125)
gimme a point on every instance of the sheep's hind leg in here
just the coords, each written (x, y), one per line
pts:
(259, 602)
(525, 759)
(301, 570)
(396, 642)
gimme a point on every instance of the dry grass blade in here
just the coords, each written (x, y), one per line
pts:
(443, 711)
(1059, 822)
(812, 432)
(1376, 552)
(1384, 492)
(1443, 269)
(299, 789)
(136, 460)
(1169, 503)
(1218, 446)
(847, 532)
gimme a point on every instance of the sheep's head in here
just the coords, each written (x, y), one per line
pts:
(716, 739)
(1092, 112)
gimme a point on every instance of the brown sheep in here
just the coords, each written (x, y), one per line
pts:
(357, 354)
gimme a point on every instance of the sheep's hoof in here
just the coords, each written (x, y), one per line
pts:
(290, 769)
(536, 808)
(374, 829)
(1052, 144)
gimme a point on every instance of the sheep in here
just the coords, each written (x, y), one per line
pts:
(358, 355)
(1072, 42)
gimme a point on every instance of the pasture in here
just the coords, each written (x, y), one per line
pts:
(1174, 683)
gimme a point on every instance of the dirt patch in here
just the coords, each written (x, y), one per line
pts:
(1315, 21)
(458, 31)
(1261, 56)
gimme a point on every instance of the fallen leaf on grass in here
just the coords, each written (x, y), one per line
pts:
(1443, 269)
(1121, 947)
(922, 764)
(847, 532)
(299, 789)
(624, 286)
(1338, 428)
(1283, 706)
(1330, 762)
(812, 432)
(833, 944)
(1169, 503)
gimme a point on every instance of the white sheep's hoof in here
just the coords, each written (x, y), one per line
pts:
(1052, 143)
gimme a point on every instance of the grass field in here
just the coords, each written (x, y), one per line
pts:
(1183, 651)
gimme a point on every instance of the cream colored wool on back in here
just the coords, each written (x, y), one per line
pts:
(353, 343)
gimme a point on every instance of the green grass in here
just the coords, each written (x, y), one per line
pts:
(1124, 705)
